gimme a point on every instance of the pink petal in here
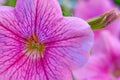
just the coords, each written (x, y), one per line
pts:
(70, 41)
(96, 69)
(22, 67)
(105, 61)
(107, 43)
(38, 13)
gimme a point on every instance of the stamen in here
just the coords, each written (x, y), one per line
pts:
(33, 44)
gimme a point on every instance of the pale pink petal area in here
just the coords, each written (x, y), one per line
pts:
(107, 43)
(105, 65)
(38, 43)
(6, 8)
(118, 78)
(95, 69)
(72, 41)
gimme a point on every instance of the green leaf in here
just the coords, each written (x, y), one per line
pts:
(117, 2)
(10, 3)
(66, 11)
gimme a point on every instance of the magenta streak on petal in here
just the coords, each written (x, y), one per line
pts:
(44, 69)
(10, 31)
(19, 65)
(12, 38)
(13, 63)
(35, 23)
(51, 42)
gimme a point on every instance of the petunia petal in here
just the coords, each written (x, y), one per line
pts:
(97, 68)
(10, 22)
(107, 43)
(38, 13)
(26, 68)
(70, 41)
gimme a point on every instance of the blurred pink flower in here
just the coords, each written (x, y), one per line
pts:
(38, 43)
(108, 44)
(104, 66)
(88, 9)
(2, 1)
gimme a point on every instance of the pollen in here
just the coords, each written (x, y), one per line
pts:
(32, 44)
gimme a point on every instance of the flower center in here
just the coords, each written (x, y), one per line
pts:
(32, 44)
(117, 2)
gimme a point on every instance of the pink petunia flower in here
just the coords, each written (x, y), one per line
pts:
(38, 43)
(103, 66)
(88, 9)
